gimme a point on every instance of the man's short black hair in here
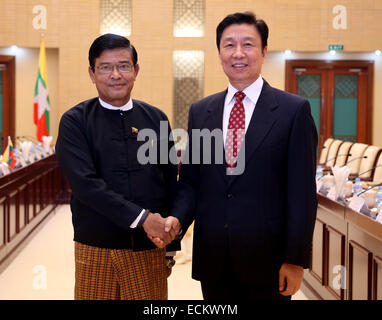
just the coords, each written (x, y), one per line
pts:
(243, 18)
(107, 42)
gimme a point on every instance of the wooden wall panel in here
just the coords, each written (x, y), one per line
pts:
(12, 215)
(377, 278)
(3, 222)
(31, 199)
(23, 209)
(336, 260)
(360, 272)
(318, 253)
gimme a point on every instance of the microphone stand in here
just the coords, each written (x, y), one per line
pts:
(362, 157)
(340, 155)
(380, 165)
(371, 187)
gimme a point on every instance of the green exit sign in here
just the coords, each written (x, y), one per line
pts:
(336, 47)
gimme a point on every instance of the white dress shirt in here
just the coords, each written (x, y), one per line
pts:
(252, 94)
(127, 106)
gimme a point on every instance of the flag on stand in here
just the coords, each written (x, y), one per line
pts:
(9, 154)
(41, 101)
(6, 153)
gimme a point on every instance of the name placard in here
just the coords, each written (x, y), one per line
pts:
(358, 204)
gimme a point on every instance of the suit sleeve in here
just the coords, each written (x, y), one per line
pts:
(301, 188)
(169, 169)
(184, 205)
(76, 163)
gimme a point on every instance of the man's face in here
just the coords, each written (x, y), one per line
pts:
(241, 55)
(114, 87)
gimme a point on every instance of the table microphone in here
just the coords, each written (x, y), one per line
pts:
(377, 166)
(22, 138)
(371, 187)
(323, 147)
(340, 155)
(33, 139)
(361, 157)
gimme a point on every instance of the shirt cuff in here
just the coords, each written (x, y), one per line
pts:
(135, 222)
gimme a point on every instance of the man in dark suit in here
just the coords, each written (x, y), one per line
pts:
(253, 227)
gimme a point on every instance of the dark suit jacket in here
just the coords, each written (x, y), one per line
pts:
(97, 152)
(265, 216)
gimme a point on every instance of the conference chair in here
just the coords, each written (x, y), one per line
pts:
(333, 152)
(342, 154)
(324, 151)
(377, 177)
(367, 164)
(354, 161)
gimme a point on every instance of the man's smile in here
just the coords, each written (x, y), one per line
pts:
(239, 65)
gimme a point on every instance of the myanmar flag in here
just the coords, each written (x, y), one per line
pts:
(9, 154)
(41, 98)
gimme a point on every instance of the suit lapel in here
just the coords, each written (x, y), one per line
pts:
(214, 120)
(215, 108)
(261, 122)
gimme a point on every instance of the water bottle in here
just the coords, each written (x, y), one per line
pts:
(357, 187)
(379, 195)
(319, 173)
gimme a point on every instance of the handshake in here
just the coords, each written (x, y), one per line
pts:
(161, 231)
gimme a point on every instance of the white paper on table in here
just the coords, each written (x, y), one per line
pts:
(322, 188)
(26, 147)
(358, 204)
(46, 141)
(341, 175)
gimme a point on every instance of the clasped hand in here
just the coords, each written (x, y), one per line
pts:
(161, 231)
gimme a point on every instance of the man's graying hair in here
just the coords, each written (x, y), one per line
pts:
(107, 42)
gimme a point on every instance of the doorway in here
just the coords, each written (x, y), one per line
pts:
(7, 99)
(339, 93)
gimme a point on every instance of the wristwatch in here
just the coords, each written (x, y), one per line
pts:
(170, 261)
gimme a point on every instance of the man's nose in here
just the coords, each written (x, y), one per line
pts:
(239, 52)
(115, 73)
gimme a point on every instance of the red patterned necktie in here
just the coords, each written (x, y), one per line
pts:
(236, 131)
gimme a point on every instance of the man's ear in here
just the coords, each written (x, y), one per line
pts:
(91, 74)
(265, 51)
(136, 69)
(220, 58)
